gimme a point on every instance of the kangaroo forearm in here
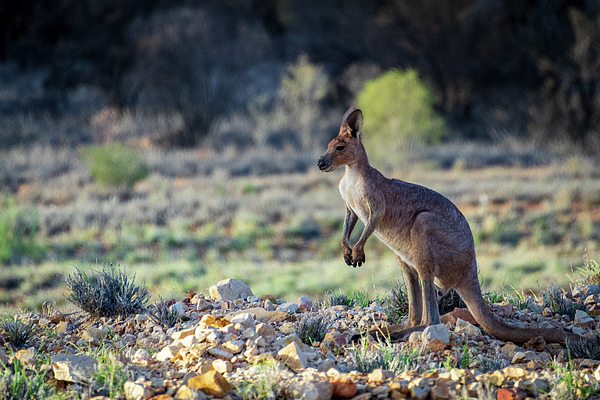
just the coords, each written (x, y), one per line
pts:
(349, 224)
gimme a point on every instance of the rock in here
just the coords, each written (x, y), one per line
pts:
(496, 378)
(364, 396)
(26, 356)
(269, 306)
(222, 366)
(343, 386)
(583, 320)
(244, 319)
(187, 393)
(178, 308)
(418, 393)
(162, 397)
(436, 345)
(203, 305)
(211, 383)
(467, 329)
(221, 353)
(267, 332)
(168, 352)
(440, 390)
(304, 303)
(380, 375)
(510, 394)
(459, 313)
(229, 290)
(180, 335)
(515, 372)
(189, 341)
(289, 308)
(235, 346)
(320, 389)
(439, 331)
(537, 343)
(77, 368)
(136, 391)
(415, 337)
(292, 357)
(141, 356)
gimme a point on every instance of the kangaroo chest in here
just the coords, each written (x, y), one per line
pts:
(353, 192)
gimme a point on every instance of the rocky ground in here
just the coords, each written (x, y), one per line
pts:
(232, 344)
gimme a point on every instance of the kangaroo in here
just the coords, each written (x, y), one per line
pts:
(429, 235)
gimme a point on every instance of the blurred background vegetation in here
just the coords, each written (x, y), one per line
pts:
(180, 137)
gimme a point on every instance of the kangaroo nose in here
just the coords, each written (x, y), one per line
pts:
(321, 163)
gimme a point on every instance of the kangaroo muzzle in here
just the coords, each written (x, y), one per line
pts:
(323, 163)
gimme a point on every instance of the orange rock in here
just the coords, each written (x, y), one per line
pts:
(436, 345)
(343, 386)
(510, 394)
(211, 383)
(537, 343)
(461, 313)
(162, 397)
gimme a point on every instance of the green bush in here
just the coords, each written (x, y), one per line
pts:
(398, 110)
(115, 165)
(19, 227)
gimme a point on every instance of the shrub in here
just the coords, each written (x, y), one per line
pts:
(554, 299)
(370, 356)
(312, 328)
(585, 348)
(398, 110)
(18, 384)
(113, 164)
(589, 273)
(19, 228)
(397, 304)
(162, 314)
(107, 293)
(17, 333)
(338, 299)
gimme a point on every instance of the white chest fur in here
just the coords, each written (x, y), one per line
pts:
(352, 189)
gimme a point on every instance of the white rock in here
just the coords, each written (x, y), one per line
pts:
(134, 391)
(288, 307)
(415, 337)
(245, 319)
(77, 368)
(178, 308)
(320, 389)
(439, 331)
(168, 352)
(229, 290)
(293, 357)
(467, 329)
(189, 341)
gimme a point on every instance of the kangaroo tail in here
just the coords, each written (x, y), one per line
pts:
(470, 292)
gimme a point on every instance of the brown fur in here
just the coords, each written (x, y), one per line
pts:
(429, 235)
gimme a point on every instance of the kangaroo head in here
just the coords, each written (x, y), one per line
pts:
(346, 148)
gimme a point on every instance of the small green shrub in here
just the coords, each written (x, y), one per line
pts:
(398, 110)
(115, 165)
(19, 228)
(554, 299)
(17, 333)
(162, 314)
(18, 384)
(338, 299)
(264, 385)
(589, 273)
(312, 328)
(107, 293)
(397, 304)
(370, 356)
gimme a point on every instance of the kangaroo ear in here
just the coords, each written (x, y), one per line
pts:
(353, 120)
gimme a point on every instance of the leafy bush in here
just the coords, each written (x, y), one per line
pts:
(398, 110)
(19, 228)
(113, 164)
(589, 273)
(302, 86)
(108, 293)
(397, 304)
(312, 328)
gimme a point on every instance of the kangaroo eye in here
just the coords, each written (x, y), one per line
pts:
(339, 148)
